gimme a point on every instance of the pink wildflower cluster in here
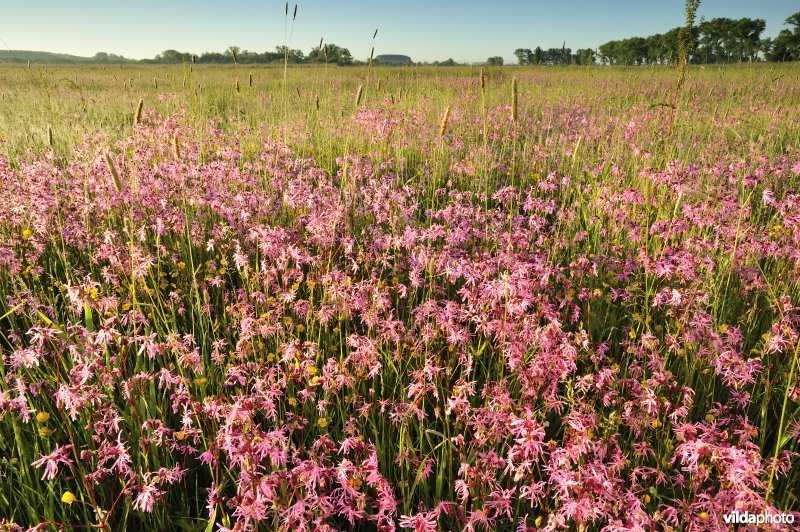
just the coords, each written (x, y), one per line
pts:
(272, 341)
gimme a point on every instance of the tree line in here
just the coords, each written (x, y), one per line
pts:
(327, 53)
(554, 56)
(719, 40)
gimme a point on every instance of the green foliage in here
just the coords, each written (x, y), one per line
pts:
(786, 46)
(719, 40)
(551, 56)
(524, 56)
(330, 54)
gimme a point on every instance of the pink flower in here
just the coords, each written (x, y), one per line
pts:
(147, 498)
(421, 522)
(60, 455)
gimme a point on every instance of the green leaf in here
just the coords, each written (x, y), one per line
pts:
(210, 525)
(88, 318)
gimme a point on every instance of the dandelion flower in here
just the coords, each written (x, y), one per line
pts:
(42, 417)
(68, 497)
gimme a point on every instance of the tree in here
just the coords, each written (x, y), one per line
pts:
(712, 40)
(537, 56)
(747, 34)
(173, 56)
(234, 52)
(330, 53)
(786, 46)
(584, 56)
(524, 56)
(495, 61)
(609, 52)
(719, 40)
(765, 47)
(293, 55)
(669, 45)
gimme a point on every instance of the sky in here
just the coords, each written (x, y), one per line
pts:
(466, 30)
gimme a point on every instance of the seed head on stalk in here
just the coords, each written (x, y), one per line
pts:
(137, 117)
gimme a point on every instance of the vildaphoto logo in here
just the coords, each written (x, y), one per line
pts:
(766, 518)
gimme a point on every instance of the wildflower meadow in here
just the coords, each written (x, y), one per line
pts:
(386, 298)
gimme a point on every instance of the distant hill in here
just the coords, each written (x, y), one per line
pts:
(393, 59)
(20, 56)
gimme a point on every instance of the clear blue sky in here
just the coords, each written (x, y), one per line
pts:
(466, 30)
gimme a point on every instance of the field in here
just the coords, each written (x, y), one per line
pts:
(379, 298)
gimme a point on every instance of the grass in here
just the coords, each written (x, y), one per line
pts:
(560, 250)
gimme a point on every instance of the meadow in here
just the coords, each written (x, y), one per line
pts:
(324, 298)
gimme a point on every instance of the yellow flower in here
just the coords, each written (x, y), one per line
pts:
(292, 401)
(703, 515)
(180, 435)
(200, 380)
(632, 334)
(44, 432)
(42, 417)
(68, 497)
(646, 498)
(655, 423)
(26, 234)
(322, 422)
(314, 381)
(312, 370)
(538, 521)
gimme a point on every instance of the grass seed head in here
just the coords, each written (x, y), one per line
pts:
(137, 117)
(514, 100)
(443, 124)
(359, 94)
